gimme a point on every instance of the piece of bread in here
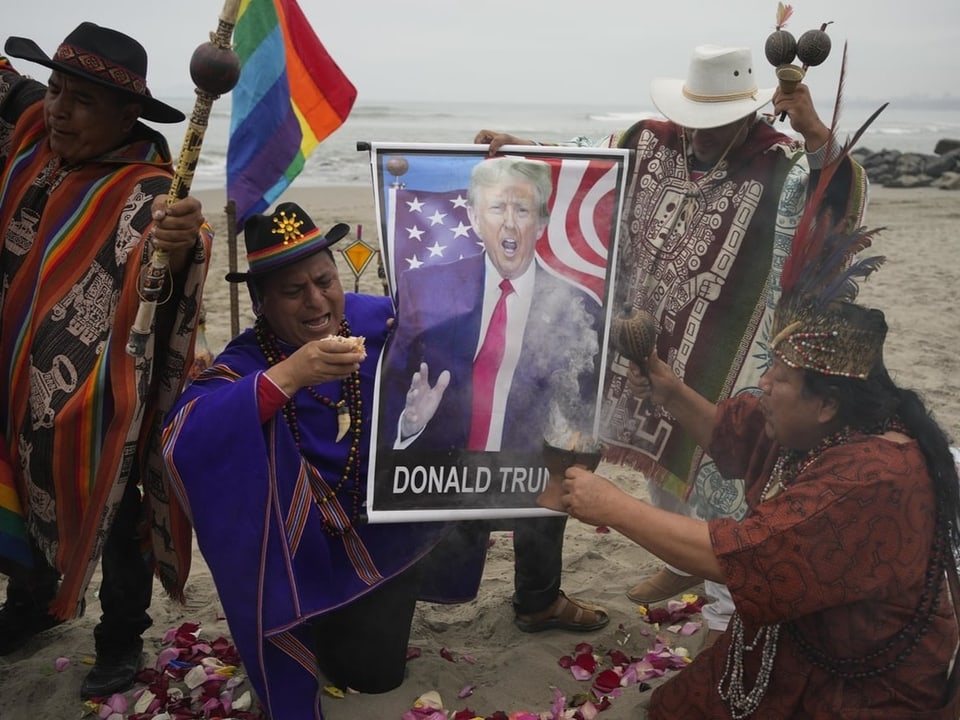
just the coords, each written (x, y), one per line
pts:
(356, 342)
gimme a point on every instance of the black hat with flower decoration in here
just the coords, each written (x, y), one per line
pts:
(282, 238)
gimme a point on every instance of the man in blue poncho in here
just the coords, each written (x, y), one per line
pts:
(269, 447)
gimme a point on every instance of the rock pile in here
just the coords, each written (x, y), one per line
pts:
(892, 168)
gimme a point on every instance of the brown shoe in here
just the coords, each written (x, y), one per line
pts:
(564, 614)
(662, 586)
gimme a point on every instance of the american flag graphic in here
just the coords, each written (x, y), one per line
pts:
(432, 227)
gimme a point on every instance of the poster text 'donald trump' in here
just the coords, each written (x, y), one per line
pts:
(500, 269)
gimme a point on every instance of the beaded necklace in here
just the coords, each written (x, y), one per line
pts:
(790, 464)
(743, 703)
(349, 408)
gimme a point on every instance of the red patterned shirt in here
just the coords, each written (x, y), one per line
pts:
(842, 556)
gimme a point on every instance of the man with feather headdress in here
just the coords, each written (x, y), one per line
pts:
(843, 574)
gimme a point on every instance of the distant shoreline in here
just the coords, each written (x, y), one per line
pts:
(947, 102)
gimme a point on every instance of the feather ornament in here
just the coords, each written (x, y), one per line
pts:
(821, 266)
(783, 14)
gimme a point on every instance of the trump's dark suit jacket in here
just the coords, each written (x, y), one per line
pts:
(439, 315)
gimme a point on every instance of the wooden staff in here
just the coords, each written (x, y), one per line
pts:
(231, 211)
(214, 69)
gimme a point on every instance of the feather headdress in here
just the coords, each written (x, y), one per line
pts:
(822, 273)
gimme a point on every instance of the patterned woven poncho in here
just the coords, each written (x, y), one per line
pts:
(703, 256)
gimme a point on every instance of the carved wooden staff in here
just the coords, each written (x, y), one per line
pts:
(214, 69)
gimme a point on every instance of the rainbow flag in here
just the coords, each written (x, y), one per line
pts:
(290, 96)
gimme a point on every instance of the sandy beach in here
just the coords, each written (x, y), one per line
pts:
(512, 671)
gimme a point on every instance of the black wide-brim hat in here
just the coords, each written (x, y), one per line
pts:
(283, 238)
(103, 56)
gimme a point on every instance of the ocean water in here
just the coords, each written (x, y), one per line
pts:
(336, 161)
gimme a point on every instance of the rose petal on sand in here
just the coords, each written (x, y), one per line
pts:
(429, 700)
(579, 673)
(428, 706)
(333, 691)
(118, 703)
(588, 711)
(62, 663)
(195, 677)
(607, 681)
(165, 656)
(143, 702)
(587, 661)
(558, 704)
(618, 658)
(243, 702)
(466, 714)
(466, 691)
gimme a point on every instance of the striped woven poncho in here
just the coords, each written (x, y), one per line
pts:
(79, 415)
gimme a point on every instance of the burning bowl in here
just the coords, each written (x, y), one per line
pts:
(585, 454)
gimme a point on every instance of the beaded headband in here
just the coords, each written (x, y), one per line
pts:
(841, 338)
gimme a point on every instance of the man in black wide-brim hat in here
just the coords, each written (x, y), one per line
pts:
(84, 206)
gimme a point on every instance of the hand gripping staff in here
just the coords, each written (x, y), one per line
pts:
(214, 69)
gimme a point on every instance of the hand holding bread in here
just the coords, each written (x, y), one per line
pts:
(319, 361)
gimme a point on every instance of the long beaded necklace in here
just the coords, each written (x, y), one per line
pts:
(743, 703)
(790, 464)
(349, 407)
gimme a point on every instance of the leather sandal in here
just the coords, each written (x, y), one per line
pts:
(565, 613)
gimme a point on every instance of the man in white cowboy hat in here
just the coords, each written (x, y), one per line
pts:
(714, 195)
(84, 205)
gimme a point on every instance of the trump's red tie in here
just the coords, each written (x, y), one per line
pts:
(485, 368)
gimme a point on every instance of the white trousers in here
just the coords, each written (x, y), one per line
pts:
(716, 613)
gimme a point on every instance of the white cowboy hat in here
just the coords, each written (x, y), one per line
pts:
(720, 88)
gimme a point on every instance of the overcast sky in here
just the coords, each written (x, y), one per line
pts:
(581, 52)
